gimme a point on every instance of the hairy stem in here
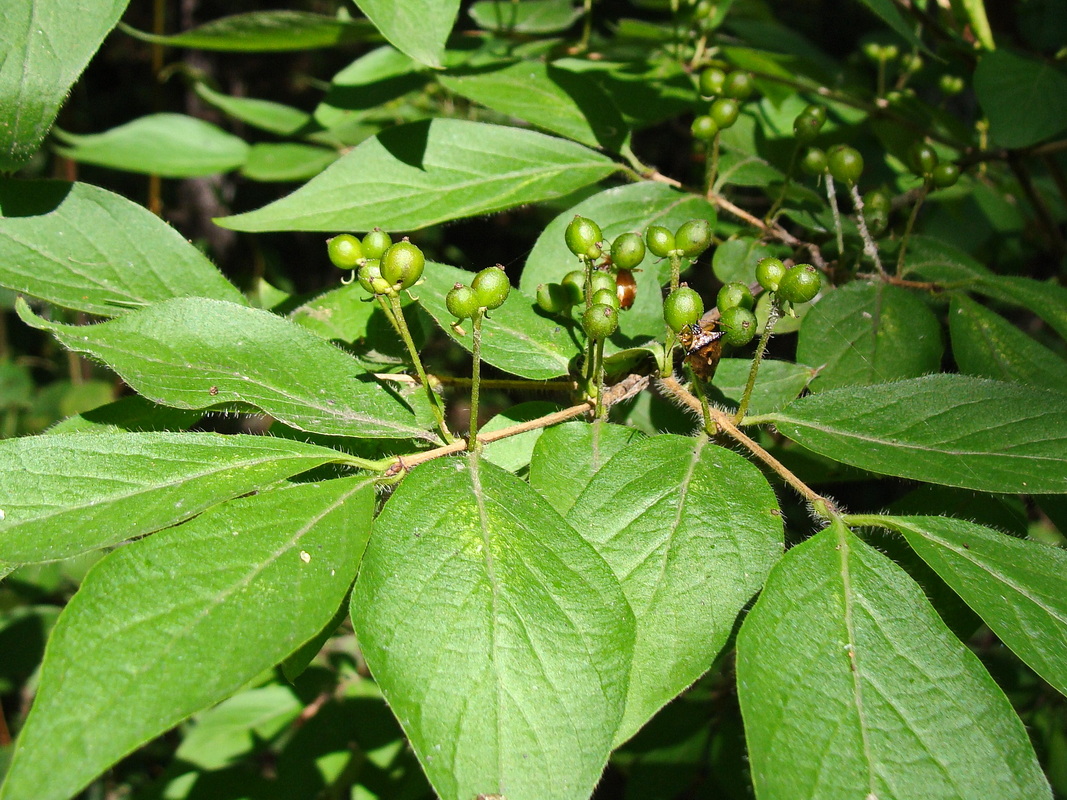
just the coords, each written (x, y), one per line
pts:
(405, 334)
(757, 359)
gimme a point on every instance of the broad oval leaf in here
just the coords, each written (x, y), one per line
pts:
(529, 16)
(948, 429)
(66, 494)
(45, 48)
(266, 31)
(198, 353)
(691, 531)
(633, 207)
(1025, 99)
(777, 383)
(986, 344)
(1015, 585)
(423, 173)
(851, 686)
(418, 28)
(170, 145)
(568, 456)
(516, 338)
(266, 115)
(173, 623)
(552, 98)
(869, 333)
(81, 247)
(499, 637)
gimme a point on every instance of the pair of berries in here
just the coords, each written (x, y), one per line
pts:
(383, 266)
(488, 290)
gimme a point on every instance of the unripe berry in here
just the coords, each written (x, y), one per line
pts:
(712, 81)
(461, 302)
(628, 250)
(574, 286)
(724, 112)
(583, 237)
(345, 251)
(370, 278)
(945, 175)
(402, 264)
(491, 287)
(693, 237)
(601, 280)
(845, 164)
(606, 297)
(950, 85)
(600, 321)
(800, 284)
(738, 85)
(923, 159)
(738, 326)
(733, 295)
(682, 307)
(552, 298)
(660, 240)
(704, 128)
(375, 243)
(769, 273)
(814, 161)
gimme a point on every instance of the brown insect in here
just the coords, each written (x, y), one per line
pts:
(625, 288)
(214, 390)
(703, 346)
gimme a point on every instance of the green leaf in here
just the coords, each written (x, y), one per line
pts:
(530, 16)
(513, 453)
(286, 161)
(131, 413)
(196, 353)
(867, 333)
(265, 32)
(554, 99)
(851, 686)
(418, 28)
(170, 145)
(987, 345)
(499, 637)
(1025, 99)
(736, 259)
(691, 531)
(567, 456)
(82, 247)
(515, 338)
(624, 208)
(420, 174)
(890, 15)
(978, 22)
(173, 623)
(947, 429)
(65, 495)
(1015, 585)
(374, 79)
(263, 114)
(45, 48)
(777, 383)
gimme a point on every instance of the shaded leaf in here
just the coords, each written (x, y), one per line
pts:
(507, 665)
(1025, 99)
(170, 145)
(423, 173)
(777, 383)
(82, 247)
(66, 494)
(286, 161)
(530, 16)
(691, 531)
(266, 31)
(198, 353)
(45, 48)
(173, 623)
(948, 429)
(851, 686)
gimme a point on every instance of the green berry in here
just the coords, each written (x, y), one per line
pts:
(724, 112)
(574, 286)
(769, 273)
(945, 175)
(605, 297)
(583, 237)
(660, 241)
(890, 52)
(402, 264)
(600, 321)
(712, 81)
(601, 280)
(370, 278)
(345, 251)
(800, 284)
(682, 307)
(877, 206)
(739, 85)
(734, 295)
(693, 237)
(552, 298)
(814, 161)
(845, 164)
(806, 127)
(923, 159)
(950, 85)
(491, 287)
(911, 63)
(628, 250)
(375, 243)
(461, 302)
(738, 326)
(816, 111)
(704, 128)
